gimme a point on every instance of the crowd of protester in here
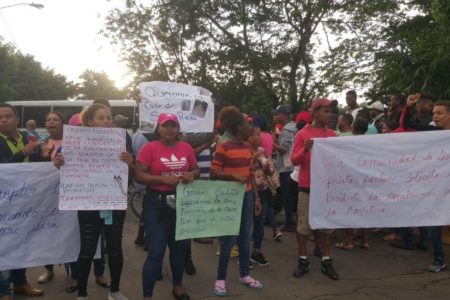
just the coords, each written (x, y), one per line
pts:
(273, 165)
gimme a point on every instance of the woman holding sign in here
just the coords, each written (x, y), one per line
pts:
(161, 165)
(232, 162)
(93, 221)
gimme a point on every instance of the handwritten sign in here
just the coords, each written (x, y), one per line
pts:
(93, 177)
(387, 180)
(33, 232)
(208, 209)
(192, 105)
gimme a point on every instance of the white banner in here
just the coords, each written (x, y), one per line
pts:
(192, 105)
(93, 177)
(33, 232)
(385, 180)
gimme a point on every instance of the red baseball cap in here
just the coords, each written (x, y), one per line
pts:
(320, 102)
(165, 117)
(303, 116)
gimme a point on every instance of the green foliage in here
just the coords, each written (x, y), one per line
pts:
(23, 78)
(253, 51)
(97, 85)
(416, 55)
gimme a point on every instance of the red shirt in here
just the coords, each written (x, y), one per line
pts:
(303, 158)
(167, 161)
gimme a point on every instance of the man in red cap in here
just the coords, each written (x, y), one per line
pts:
(321, 112)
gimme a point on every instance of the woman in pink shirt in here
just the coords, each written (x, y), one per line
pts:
(161, 166)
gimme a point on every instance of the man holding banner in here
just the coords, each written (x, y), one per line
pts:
(14, 148)
(301, 155)
(441, 117)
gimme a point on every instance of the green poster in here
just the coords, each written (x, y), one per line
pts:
(208, 209)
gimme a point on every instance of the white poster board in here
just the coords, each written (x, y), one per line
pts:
(192, 105)
(33, 232)
(385, 180)
(93, 177)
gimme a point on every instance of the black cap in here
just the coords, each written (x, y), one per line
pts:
(282, 109)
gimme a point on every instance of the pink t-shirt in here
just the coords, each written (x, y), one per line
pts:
(267, 143)
(167, 161)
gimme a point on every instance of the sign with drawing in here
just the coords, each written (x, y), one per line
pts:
(192, 105)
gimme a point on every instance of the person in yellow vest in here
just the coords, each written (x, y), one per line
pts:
(15, 148)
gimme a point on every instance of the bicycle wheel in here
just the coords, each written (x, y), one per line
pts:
(135, 200)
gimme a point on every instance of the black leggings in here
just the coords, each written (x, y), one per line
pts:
(90, 227)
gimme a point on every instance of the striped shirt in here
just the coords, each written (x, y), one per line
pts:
(233, 158)
(204, 163)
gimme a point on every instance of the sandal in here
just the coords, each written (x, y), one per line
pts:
(250, 282)
(344, 246)
(219, 288)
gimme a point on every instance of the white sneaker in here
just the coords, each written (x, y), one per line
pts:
(117, 296)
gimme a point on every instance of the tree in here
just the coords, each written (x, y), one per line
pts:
(97, 85)
(416, 55)
(272, 46)
(23, 78)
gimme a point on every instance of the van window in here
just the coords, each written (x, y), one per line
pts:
(68, 111)
(35, 113)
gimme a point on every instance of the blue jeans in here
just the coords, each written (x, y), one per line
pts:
(243, 240)
(159, 223)
(18, 277)
(287, 198)
(408, 237)
(258, 221)
(436, 241)
(5, 283)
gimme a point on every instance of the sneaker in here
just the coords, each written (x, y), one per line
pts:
(259, 259)
(437, 266)
(302, 268)
(82, 298)
(327, 268)
(189, 268)
(277, 234)
(117, 296)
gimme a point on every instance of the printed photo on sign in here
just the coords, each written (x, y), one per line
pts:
(200, 108)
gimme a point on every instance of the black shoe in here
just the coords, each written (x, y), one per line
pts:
(327, 268)
(401, 245)
(259, 259)
(189, 267)
(302, 268)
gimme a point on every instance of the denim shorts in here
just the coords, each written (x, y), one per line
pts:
(5, 283)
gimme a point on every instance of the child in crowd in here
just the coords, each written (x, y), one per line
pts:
(232, 162)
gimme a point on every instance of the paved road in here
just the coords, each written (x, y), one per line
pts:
(381, 273)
